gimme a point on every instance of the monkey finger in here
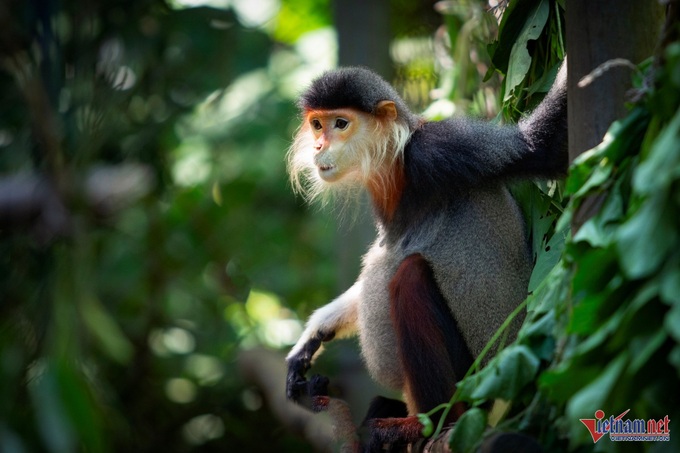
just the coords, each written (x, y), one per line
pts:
(296, 384)
(318, 386)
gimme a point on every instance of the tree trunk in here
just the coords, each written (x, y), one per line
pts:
(598, 32)
(364, 37)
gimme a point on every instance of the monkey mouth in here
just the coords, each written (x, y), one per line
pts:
(327, 172)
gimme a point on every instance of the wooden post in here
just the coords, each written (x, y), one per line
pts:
(598, 32)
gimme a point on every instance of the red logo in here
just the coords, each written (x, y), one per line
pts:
(627, 430)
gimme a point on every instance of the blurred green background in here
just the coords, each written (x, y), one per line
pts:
(148, 233)
(149, 239)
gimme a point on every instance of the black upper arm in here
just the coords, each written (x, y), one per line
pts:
(545, 131)
(460, 153)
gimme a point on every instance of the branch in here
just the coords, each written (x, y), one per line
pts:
(325, 430)
(31, 202)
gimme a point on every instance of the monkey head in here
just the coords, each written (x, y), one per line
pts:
(354, 128)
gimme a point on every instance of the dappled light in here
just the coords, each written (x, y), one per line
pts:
(157, 266)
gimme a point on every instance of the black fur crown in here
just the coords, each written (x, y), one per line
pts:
(355, 87)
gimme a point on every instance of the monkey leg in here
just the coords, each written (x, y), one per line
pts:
(388, 427)
(385, 424)
(431, 348)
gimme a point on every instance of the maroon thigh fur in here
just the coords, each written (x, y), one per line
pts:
(431, 348)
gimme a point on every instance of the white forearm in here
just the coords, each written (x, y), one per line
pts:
(337, 319)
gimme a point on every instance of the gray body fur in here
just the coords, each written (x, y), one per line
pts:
(481, 262)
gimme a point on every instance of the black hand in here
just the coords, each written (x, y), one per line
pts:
(296, 384)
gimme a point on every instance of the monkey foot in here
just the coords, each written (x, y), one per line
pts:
(393, 431)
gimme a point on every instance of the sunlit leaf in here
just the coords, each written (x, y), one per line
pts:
(297, 17)
(520, 60)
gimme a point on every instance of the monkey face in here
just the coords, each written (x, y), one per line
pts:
(337, 136)
(339, 150)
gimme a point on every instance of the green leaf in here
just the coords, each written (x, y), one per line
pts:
(674, 358)
(10, 442)
(670, 286)
(600, 230)
(548, 259)
(428, 426)
(512, 23)
(672, 322)
(553, 289)
(297, 17)
(662, 166)
(540, 228)
(598, 336)
(647, 237)
(643, 347)
(55, 428)
(504, 377)
(468, 431)
(562, 382)
(614, 146)
(539, 335)
(520, 60)
(597, 269)
(535, 203)
(593, 396)
(104, 328)
(641, 315)
(80, 406)
(599, 175)
(585, 318)
(543, 326)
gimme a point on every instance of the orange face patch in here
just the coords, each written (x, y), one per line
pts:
(328, 126)
(349, 140)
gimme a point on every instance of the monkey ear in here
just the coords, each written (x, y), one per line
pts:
(386, 109)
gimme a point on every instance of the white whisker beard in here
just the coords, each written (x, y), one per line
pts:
(371, 158)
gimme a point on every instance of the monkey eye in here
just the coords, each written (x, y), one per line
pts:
(341, 123)
(316, 124)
